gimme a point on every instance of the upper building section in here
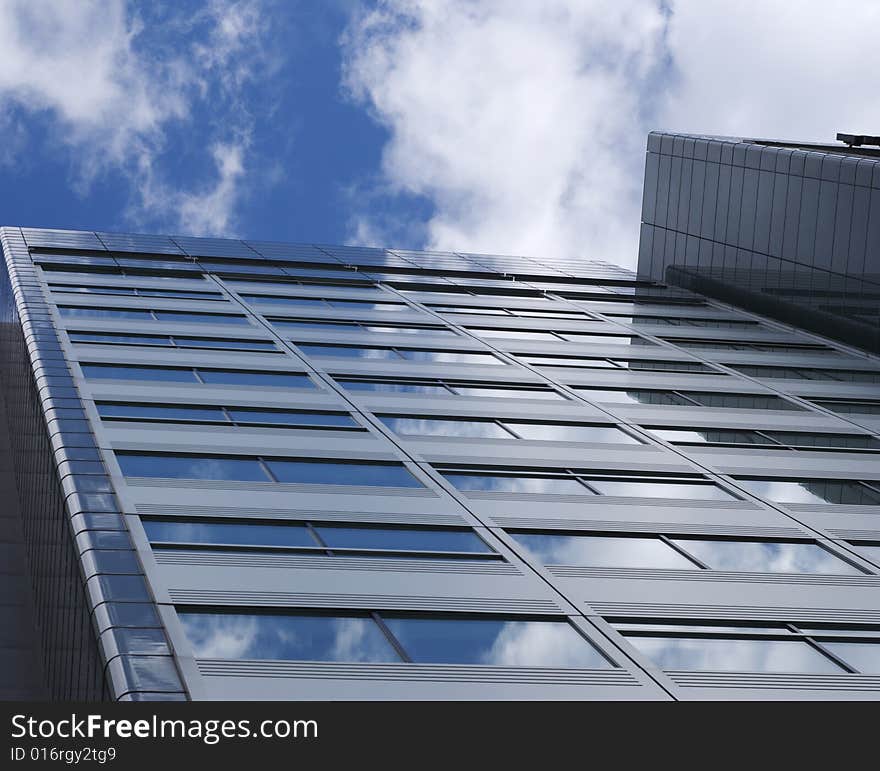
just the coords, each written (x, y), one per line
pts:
(788, 230)
(263, 257)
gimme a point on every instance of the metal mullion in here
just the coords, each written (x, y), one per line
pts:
(593, 490)
(195, 371)
(392, 640)
(320, 541)
(847, 667)
(505, 427)
(672, 545)
(228, 416)
(694, 402)
(266, 470)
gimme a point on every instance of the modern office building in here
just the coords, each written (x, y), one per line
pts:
(251, 470)
(789, 230)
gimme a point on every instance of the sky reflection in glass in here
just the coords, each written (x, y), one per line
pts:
(602, 551)
(286, 637)
(496, 642)
(368, 474)
(516, 484)
(661, 489)
(729, 655)
(413, 539)
(244, 534)
(438, 427)
(767, 557)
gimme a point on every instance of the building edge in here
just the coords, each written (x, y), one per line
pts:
(107, 640)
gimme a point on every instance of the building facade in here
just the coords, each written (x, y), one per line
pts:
(252, 470)
(789, 230)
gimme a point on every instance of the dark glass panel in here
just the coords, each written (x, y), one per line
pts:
(368, 474)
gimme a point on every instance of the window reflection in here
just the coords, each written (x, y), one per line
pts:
(438, 427)
(602, 551)
(496, 642)
(766, 557)
(352, 637)
(286, 637)
(557, 432)
(367, 474)
(812, 491)
(245, 534)
(731, 655)
(662, 489)
(413, 539)
(516, 484)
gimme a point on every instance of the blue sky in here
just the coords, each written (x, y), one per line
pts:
(480, 125)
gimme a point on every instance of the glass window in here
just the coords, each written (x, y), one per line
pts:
(112, 337)
(812, 491)
(734, 655)
(286, 637)
(191, 467)
(540, 360)
(842, 441)
(70, 311)
(499, 642)
(740, 401)
(394, 386)
(345, 327)
(504, 392)
(708, 436)
(870, 550)
(244, 534)
(403, 538)
(850, 407)
(514, 334)
(438, 427)
(766, 556)
(200, 318)
(367, 474)
(267, 299)
(118, 372)
(511, 483)
(602, 551)
(367, 305)
(347, 351)
(224, 343)
(109, 410)
(660, 488)
(588, 339)
(292, 418)
(570, 432)
(249, 377)
(402, 330)
(864, 657)
(452, 357)
(619, 396)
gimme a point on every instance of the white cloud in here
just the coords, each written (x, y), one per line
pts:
(520, 121)
(110, 101)
(524, 124)
(775, 69)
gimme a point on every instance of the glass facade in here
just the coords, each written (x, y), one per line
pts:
(293, 471)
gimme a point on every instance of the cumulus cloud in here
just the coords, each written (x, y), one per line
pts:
(523, 124)
(110, 100)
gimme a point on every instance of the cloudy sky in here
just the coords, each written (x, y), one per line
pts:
(507, 126)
